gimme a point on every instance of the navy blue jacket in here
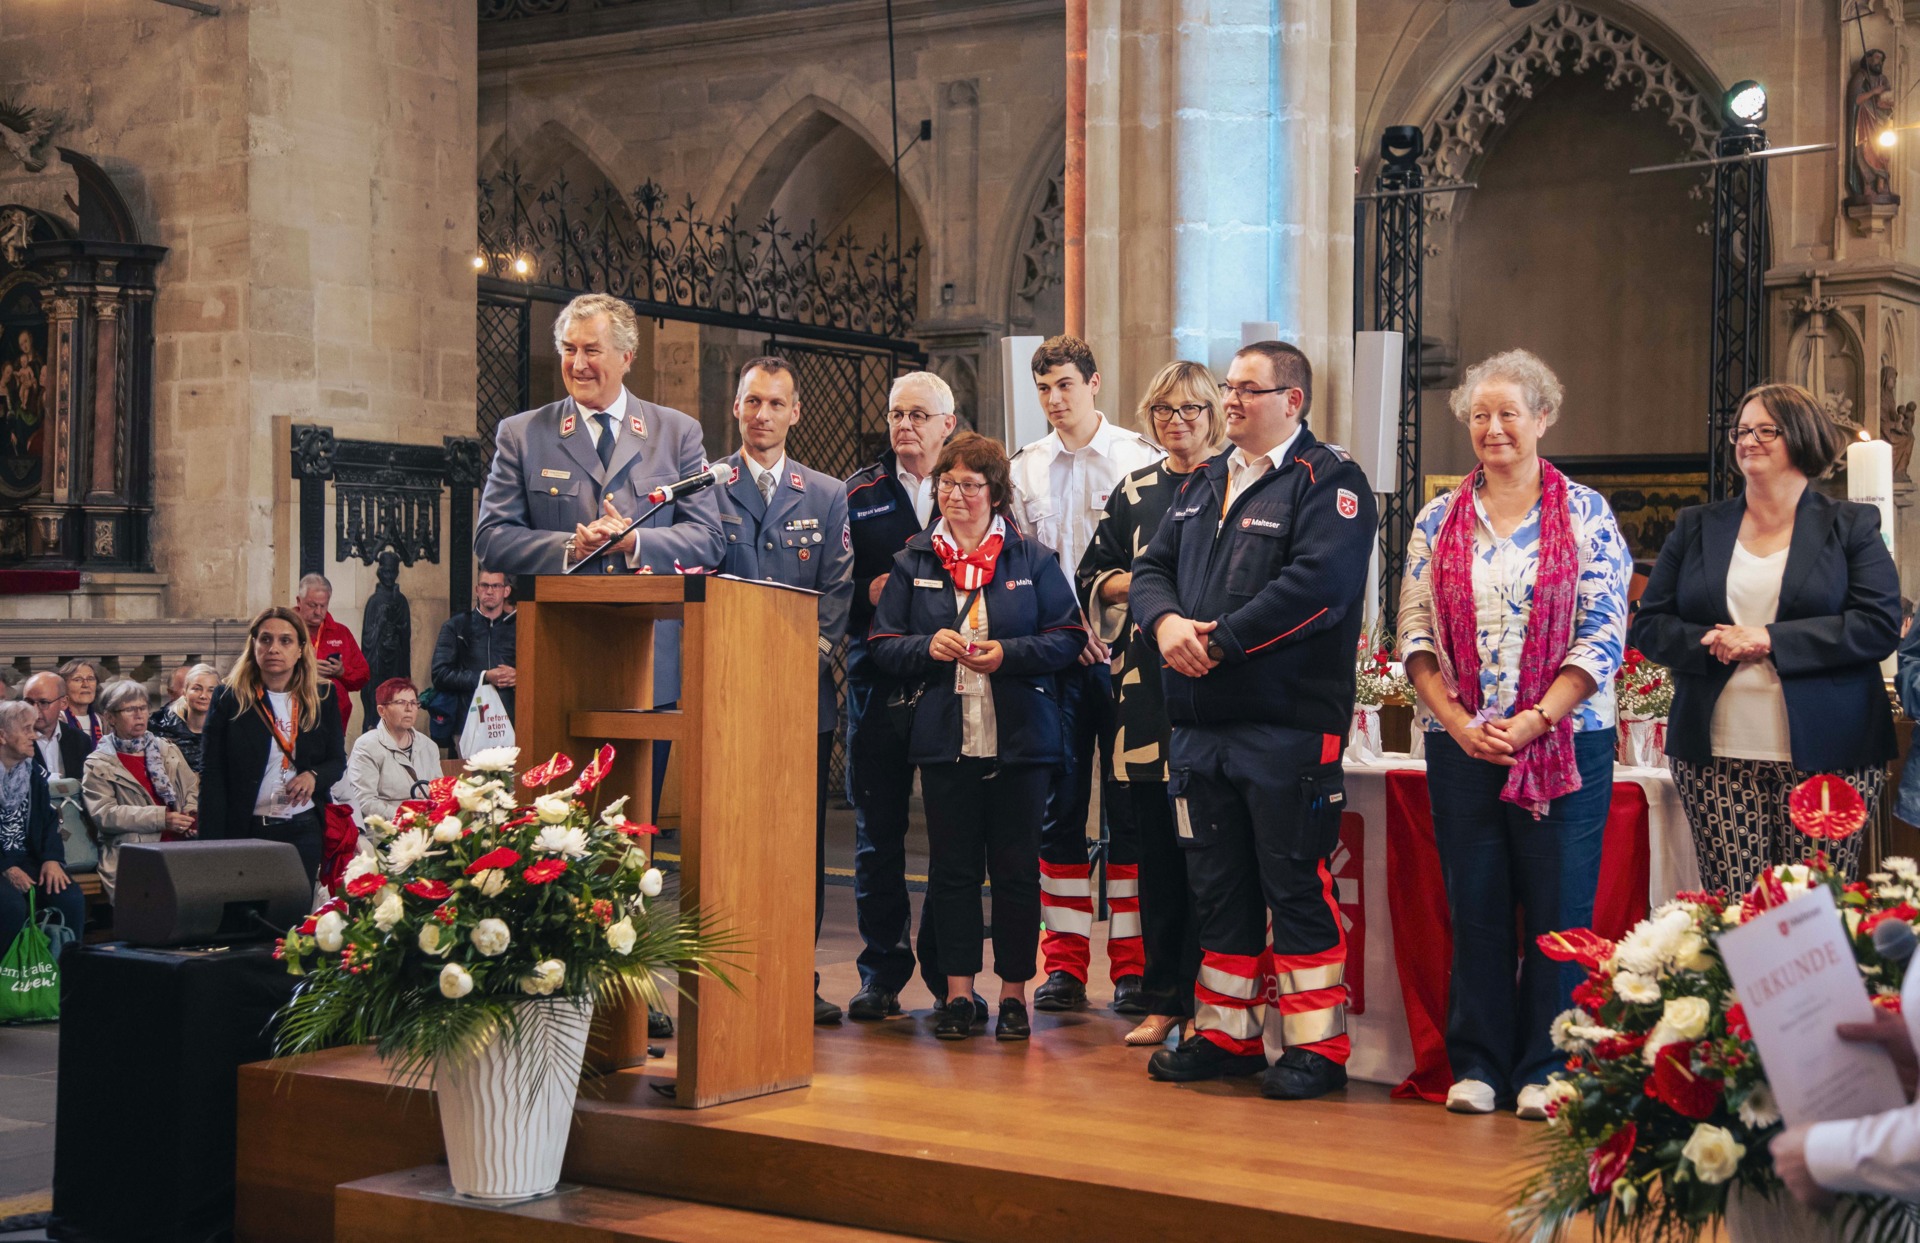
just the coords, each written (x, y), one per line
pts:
(1839, 617)
(1285, 576)
(1030, 612)
(800, 540)
(880, 520)
(42, 841)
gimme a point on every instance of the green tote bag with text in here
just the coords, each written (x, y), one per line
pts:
(29, 980)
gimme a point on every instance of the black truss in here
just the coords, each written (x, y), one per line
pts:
(1739, 297)
(1399, 240)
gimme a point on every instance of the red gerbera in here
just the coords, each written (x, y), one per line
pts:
(547, 773)
(1591, 995)
(544, 871)
(365, 883)
(432, 890)
(499, 857)
(1737, 1022)
(1609, 1159)
(1615, 1047)
(635, 830)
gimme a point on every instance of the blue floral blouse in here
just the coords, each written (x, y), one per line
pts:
(1503, 576)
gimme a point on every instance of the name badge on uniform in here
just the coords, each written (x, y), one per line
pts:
(934, 583)
(556, 474)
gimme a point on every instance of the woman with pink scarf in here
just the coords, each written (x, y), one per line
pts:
(1513, 617)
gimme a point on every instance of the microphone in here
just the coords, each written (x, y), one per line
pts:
(716, 473)
(1894, 940)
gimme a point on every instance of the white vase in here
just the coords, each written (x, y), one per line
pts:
(505, 1113)
(1779, 1218)
(1363, 740)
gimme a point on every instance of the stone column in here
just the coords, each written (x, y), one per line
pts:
(1220, 187)
(52, 536)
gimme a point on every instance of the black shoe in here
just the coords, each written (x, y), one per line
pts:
(1301, 1075)
(873, 1003)
(956, 1020)
(979, 1007)
(659, 1025)
(825, 1013)
(1199, 1058)
(1128, 996)
(1060, 992)
(1013, 1021)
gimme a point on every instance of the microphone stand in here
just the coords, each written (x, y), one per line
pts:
(631, 527)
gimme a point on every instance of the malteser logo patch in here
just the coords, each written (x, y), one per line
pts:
(1348, 504)
(1261, 524)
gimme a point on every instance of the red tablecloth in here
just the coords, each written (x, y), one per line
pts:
(1422, 930)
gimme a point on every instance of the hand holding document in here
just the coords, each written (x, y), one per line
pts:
(1797, 979)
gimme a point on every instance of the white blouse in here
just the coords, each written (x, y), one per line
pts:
(1750, 717)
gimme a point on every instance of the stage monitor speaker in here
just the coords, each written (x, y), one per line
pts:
(1376, 407)
(180, 893)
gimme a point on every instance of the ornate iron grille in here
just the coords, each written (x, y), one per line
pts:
(1739, 266)
(673, 263)
(504, 388)
(1399, 241)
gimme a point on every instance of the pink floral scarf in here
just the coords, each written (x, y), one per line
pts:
(1547, 768)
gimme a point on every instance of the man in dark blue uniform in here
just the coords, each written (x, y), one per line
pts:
(785, 523)
(888, 503)
(1253, 588)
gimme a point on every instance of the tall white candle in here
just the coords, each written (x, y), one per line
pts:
(1870, 480)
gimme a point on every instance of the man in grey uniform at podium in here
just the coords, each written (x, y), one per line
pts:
(569, 476)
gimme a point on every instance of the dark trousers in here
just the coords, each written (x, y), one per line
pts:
(983, 820)
(304, 832)
(1497, 858)
(825, 754)
(1168, 929)
(879, 785)
(1087, 714)
(70, 902)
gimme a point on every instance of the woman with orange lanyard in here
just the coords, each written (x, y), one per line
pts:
(272, 742)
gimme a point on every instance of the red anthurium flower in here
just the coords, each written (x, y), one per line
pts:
(432, 890)
(1581, 945)
(1609, 1160)
(1613, 1048)
(547, 773)
(441, 787)
(1826, 808)
(1903, 911)
(442, 809)
(517, 821)
(307, 925)
(597, 769)
(331, 904)
(544, 871)
(500, 857)
(364, 884)
(1675, 1084)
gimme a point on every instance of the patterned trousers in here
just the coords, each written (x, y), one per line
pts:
(1738, 812)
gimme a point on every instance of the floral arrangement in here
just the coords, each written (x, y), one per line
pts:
(475, 903)
(1375, 681)
(1664, 1106)
(1642, 690)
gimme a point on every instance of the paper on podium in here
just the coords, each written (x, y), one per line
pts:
(1796, 976)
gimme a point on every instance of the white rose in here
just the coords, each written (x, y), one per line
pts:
(557, 839)
(448, 830)
(471, 797)
(651, 881)
(544, 979)
(381, 826)
(327, 932)
(610, 814)
(366, 863)
(620, 937)
(432, 940)
(388, 909)
(1759, 1109)
(1691, 953)
(491, 936)
(552, 808)
(1714, 1153)
(1687, 1016)
(490, 882)
(494, 760)
(455, 983)
(1636, 988)
(407, 849)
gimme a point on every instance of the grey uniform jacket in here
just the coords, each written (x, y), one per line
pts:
(547, 478)
(801, 540)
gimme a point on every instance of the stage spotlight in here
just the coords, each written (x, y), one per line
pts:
(1888, 138)
(1747, 102)
(521, 267)
(479, 263)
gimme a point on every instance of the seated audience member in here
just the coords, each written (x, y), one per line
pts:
(83, 684)
(273, 742)
(31, 857)
(390, 759)
(177, 682)
(477, 646)
(63, 749)
(987, 733)
(137, 786)
(183, 720)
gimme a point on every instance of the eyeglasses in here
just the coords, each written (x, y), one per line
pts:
(1187, 413)
(1247, 392)
(917, 417)
(403, 703)
(946, 487)
(43, 703)
(1763, 434)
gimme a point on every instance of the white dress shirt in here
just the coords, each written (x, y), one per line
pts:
(919, 490)
(1244, 468)
(1880, 1153)
(1060, 494)
(50, 753)
(758, 472)
(618, 410)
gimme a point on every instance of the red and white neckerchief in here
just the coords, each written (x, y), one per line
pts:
(970, 570)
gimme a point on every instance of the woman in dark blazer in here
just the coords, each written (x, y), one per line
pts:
(980, 620)
(1773, 610)
(272, 745)
(32, 859)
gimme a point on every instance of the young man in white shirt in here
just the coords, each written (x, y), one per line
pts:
(1060, 487)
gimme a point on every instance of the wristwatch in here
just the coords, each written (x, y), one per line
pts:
(1215, 652)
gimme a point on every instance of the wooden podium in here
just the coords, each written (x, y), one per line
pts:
(744, 739)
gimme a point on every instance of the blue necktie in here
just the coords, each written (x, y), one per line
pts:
(605, 447)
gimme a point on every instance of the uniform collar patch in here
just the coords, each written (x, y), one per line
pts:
(568, 424)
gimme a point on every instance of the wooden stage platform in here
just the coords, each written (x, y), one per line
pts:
(1060, 1140)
